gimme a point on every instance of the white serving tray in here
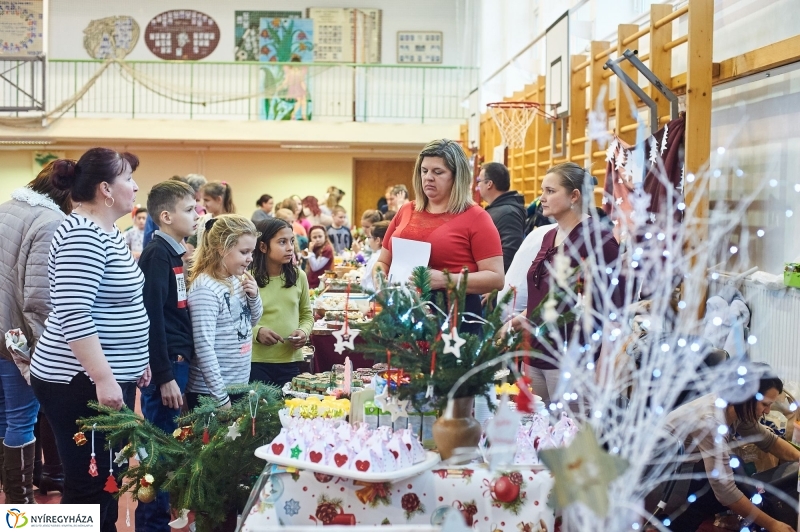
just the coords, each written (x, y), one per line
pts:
(430, 461)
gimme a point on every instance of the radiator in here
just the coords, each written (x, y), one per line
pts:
(775, 322)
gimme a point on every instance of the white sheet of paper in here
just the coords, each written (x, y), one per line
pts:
(407, 255)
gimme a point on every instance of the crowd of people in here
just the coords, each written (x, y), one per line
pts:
(194, 297)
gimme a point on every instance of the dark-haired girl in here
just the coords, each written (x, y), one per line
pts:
(319, 255)
(94, 344)
(287, 319)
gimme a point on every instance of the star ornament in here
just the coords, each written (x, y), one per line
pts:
(453, 343)
(345, 340)
(396, 408)
(233, 431)
(583, 472)
(296, 452)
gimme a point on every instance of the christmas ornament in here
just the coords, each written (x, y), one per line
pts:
(182, 520)
(455, 347)
(206, 437)
(141, 454)
(253, 407)
(181, 433)
(396, 407)
(233, 431)
(583, 472)
(664, 139)
(79, 438)
(524, 399)
(93, 463)
(345, 339)
(120, 458)
(111, 482)
(146, 494)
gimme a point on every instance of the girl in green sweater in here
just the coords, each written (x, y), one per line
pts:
(287, 319)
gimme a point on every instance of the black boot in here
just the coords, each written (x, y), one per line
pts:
(52, 477)
(18, 467)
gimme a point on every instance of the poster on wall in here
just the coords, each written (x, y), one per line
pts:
(182, 34)
(419, 47)
(286, 40)
(346, 35)
(110, 37)
(246, 31)
(21, 26)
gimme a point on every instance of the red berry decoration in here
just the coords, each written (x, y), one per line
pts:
(516, 478)
(504, 490)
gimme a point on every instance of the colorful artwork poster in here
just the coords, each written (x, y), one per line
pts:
(286, 39)
(21, 26)
(246, 31)
(286, 86)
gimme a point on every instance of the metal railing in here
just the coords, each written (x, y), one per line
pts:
(241, 90)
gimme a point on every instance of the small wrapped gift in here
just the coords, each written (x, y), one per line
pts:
(17, 345)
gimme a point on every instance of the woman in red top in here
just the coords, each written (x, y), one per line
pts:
(319, 255)
(460, 232)
(578, 235)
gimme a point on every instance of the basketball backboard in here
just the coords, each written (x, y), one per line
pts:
(557, 67)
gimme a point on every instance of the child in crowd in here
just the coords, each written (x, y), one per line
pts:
(338, 233)
(288, 216)
(370, 217)
(375, 241)
(218, 199)
(320, 257)
(134, 237)
(224, 306)
(172, 208)
(287, 318)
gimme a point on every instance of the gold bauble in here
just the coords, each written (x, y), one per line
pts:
(146, 494)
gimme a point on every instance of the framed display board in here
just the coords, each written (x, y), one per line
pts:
(21, 26)
(423, 47)
(182, 34)
(346, 35)
(558, 70)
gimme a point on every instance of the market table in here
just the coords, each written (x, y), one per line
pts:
(325, 357)
(488, 501)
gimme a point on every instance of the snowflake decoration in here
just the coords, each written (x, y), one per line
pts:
(664, 139)
(598, 127)
(292, 507)
(345, 340)
(618, 201)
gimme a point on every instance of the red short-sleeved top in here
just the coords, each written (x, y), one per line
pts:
(457, 240)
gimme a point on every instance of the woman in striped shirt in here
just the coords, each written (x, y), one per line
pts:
(94, 345)
(224, 306)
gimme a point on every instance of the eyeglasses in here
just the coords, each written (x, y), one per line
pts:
(479, 181)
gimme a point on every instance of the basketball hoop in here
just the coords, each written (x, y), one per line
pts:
(513, 120)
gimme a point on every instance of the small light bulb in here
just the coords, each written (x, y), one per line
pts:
(760, 232)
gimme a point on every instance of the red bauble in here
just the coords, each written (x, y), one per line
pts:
(504, 490)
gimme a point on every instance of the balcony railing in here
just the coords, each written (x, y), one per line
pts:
(242, 91)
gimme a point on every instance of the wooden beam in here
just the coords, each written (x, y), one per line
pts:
(541, 132)
(576, 126)
(698, 140)
(598, 95)
(760, 60)
(660, 60)
(625, 114)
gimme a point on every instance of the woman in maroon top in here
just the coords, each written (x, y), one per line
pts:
(578, 235)
(461, 233)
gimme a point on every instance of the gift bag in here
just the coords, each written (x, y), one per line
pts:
(17, 345)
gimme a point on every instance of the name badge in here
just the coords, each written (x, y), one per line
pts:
(180, 282)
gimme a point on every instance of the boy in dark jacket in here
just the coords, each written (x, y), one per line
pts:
(506, 207)
(172, 207)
